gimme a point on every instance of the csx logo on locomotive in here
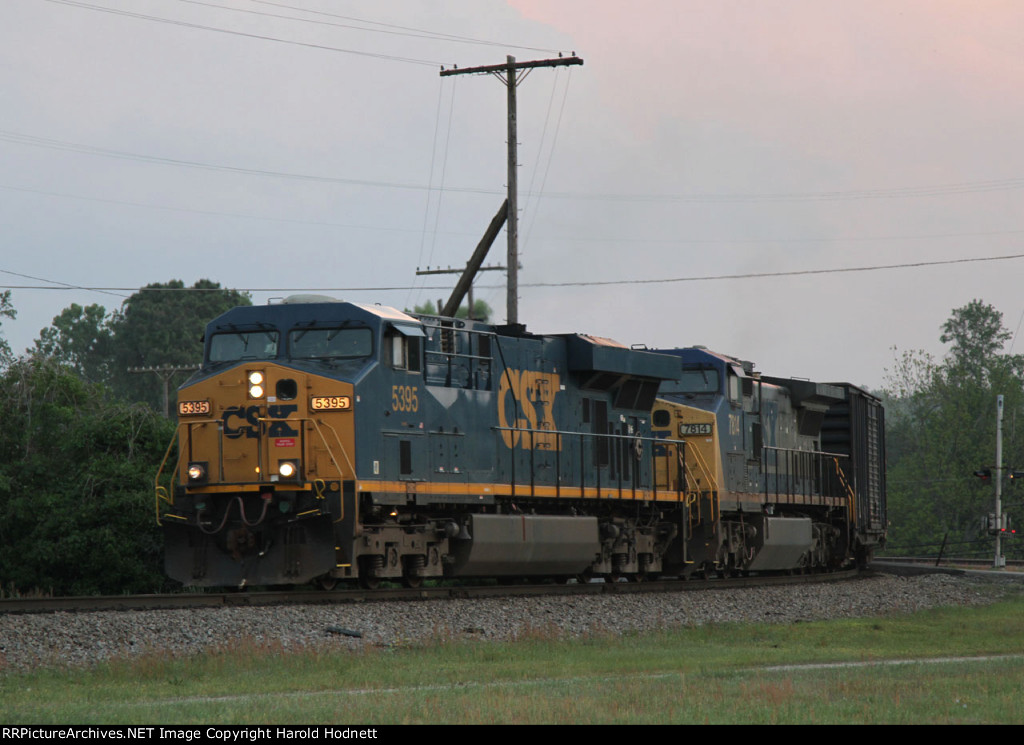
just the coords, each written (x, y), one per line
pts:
(245, 420)
(534, 392)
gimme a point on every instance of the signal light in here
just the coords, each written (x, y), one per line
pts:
(1002, 527)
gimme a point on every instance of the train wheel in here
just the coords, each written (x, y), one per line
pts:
(368, 566)
(327, 582)
(413, 583)
(369, 583)
(585, 576)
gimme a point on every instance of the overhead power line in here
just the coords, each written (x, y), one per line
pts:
(25, 139)
(261, 37)
(59, 285)
(597, 283)
(765, 275)
(578, 238)
(692, 198)
(386, 28)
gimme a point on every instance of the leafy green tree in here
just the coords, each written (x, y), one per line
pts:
(6, 311)
(941, 428)
(82, 339)
(76, 475)
(161, 325)
(976, 336)
(481, 311)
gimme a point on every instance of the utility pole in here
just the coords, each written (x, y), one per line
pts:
(165, 373)
(511, 74)
(1000, 560)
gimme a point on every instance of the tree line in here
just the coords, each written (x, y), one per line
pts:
(941, 429)
(82, 437)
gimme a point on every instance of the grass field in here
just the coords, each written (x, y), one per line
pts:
(952, 665)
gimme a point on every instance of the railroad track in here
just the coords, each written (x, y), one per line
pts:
(951, 562)
(339, 596)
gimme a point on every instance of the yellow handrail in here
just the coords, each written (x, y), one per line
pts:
(348, 461)
(704, 471)
(851, 496)
(160, 491)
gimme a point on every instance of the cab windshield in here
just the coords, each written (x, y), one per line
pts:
(330, 344)
(244, 345)
(700, 380)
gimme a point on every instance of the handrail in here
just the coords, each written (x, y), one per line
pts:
(557, 434)
(807, 469)
(160, 491)
(348, 461)
(706, 471)
(693, 494)
(851, 496)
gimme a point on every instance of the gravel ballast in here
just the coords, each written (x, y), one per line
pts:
(69, 639)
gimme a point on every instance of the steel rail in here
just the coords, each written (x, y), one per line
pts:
(173, 601)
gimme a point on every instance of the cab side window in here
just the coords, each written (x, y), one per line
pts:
(734, 388)
(405, 351)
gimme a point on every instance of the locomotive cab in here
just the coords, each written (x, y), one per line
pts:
(266, 439)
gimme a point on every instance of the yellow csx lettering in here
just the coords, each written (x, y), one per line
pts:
(534, 392)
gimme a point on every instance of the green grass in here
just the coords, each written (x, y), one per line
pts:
(708, 674)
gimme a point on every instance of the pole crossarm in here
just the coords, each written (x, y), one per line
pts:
(165, 373)
(556, 62)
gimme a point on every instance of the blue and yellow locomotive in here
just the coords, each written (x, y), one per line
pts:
(781, 474)
(324, 440)
(330, 440)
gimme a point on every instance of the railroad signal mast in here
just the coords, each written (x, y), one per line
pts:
(511, 74)
(996, 523)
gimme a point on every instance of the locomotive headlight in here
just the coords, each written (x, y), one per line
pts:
(288, 469)
(256, 380)
(196, 472)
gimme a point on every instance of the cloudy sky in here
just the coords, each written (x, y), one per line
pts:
(281, 146)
